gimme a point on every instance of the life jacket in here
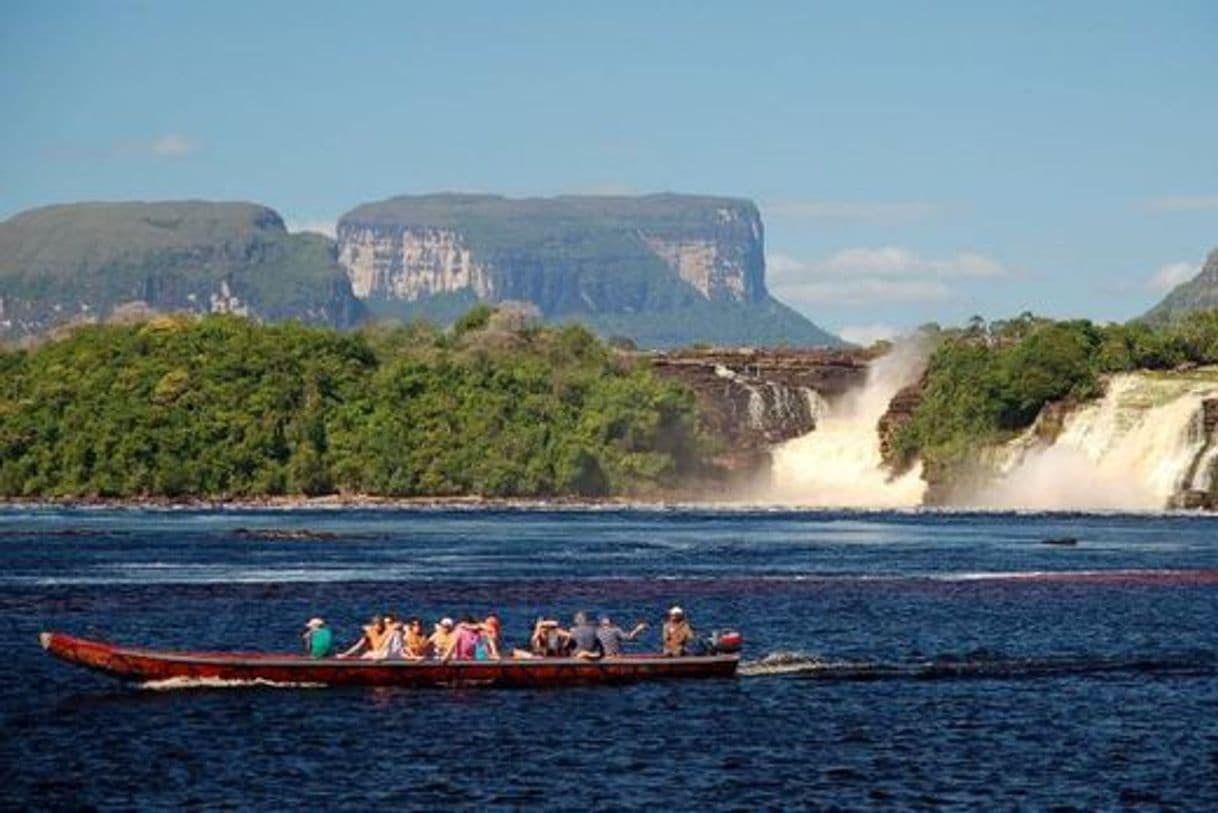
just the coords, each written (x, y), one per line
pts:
(676, 636)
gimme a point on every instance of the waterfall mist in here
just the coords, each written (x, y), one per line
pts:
(839, 464)
(1133, 449)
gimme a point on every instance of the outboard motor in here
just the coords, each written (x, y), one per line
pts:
(725, 642)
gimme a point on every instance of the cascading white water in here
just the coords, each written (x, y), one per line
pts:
(756, 399)
(1133, 449)
(838, 464)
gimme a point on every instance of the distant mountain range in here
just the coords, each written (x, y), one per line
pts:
(86, 261)
(1199, 293)
(662, 270)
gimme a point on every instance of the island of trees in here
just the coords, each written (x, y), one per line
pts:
(222, 407)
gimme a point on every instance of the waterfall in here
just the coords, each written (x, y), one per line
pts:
(838, 464)
(1133, 449)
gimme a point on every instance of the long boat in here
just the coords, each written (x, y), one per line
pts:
(218, 668)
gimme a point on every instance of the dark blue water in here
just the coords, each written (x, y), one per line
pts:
(894, 661)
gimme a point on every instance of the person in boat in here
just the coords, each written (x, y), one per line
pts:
(549, 640)
(584, 641)
(612, 638)
(464, 644)
(371, 639)
(415, 643)
(487, 648)
(318, 640)
(677, 633)
(443, 638)
(391, 644)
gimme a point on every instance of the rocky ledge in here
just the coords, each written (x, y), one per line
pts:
(751, 399)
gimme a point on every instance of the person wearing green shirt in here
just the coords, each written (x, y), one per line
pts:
(319, 641)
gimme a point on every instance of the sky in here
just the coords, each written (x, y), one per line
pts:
(912, 162)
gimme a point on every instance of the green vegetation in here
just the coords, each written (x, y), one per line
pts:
(220, 407)
(984, 384)
(84, 260)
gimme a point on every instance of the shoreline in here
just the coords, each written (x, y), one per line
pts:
(354, 501)
(474, 503)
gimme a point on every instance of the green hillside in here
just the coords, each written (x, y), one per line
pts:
(81, 261)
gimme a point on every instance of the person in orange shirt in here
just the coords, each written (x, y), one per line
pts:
(677, 633)
(444, 639)
(415, 643)
(375, 632)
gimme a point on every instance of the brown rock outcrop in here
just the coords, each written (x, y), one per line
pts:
(751, 399)
(900, 412)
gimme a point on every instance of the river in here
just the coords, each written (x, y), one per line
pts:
(892, 659)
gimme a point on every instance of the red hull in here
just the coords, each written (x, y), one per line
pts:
(144, 665)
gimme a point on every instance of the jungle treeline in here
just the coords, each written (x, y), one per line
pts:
(220, 407)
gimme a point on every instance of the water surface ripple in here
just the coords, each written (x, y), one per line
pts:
(893, 660)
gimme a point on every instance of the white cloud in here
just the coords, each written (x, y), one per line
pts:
(862, 291)
(1184, 203)
(864, 211)
(1171, 275)
(326, 227)
(866, 335)
(901, 262)
(866, 275)
(172, 145)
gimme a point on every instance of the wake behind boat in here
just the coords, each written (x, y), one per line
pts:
(145, 665)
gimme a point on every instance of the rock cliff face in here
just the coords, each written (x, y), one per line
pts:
(661, 269)
(411, 265)
(84, 262)
(753, 399)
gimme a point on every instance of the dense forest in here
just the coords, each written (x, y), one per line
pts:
(222, 407)
(985, 383)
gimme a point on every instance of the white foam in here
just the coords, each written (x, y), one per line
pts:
(177, 683)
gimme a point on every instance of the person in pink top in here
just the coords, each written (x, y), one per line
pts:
(465, 642)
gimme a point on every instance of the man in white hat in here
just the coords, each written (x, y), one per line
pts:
(676, 632)
(318, 639)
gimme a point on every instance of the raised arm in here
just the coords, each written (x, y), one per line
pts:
(356, 647)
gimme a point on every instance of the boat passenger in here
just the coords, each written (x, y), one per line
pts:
(487, 647)
(549, 640)
(676, 634)
(584, 642)
(465, 642)
(612, 637)
(391, 643)
(318, 640)
(415, 644)
(373, 633)
(443, 638)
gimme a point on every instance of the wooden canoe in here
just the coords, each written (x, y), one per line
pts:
(219, 668)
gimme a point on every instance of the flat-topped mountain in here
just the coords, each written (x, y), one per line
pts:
(661, 269)
(1199, 293)
(83, 261)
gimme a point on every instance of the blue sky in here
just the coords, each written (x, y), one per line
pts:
(912, 164)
